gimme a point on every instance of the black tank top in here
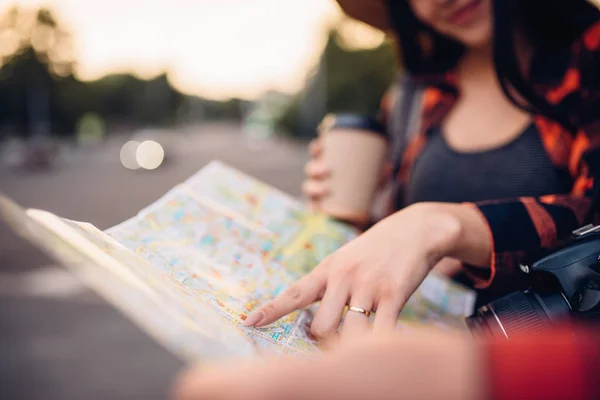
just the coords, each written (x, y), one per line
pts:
(520, 168)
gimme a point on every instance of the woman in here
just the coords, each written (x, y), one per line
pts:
(527, 114)
(510, 111)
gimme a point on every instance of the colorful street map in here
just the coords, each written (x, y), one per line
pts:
(235, 243)
(192, 266)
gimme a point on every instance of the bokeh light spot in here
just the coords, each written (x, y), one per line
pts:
(128, 155)
(149, 155)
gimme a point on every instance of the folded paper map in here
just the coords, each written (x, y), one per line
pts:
(189, 268)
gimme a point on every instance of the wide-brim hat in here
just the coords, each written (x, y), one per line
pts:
(371, 12)
(375, 12)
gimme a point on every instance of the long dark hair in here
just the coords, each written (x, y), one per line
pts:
(550, 25)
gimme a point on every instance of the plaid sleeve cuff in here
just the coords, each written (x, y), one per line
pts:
(504, 265)
(520, 230)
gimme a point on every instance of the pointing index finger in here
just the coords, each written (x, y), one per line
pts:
(302, 293)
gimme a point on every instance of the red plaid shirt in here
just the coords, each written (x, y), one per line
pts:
(521, 227)
(563, 364)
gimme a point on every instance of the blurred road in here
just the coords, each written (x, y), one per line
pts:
(57, 339)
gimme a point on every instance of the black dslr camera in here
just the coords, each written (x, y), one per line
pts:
(565, 284)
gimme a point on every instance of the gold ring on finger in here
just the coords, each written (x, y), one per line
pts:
(359, 310)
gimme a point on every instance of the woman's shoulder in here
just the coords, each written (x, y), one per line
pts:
(569, 79)
(559, 72)
(585, 55)
(590, 39)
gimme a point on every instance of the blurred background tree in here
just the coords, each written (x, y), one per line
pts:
(37, 63)
(41, 94)
(345, 80)
(126, 99)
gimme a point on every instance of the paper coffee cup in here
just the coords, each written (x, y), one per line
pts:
(354, 149)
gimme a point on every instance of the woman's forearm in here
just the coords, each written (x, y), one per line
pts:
(465, 231)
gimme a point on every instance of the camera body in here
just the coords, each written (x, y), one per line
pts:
(565, 285)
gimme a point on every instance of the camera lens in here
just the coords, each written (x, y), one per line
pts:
(519, 313)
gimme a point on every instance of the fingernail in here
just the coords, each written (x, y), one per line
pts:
(254, 319)
(261, 323)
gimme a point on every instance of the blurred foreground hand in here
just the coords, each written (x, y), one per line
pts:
(419, 364)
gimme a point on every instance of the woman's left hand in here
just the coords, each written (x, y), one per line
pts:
(381, 269)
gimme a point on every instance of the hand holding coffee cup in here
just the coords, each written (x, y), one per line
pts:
(316, 171)
(346, 166)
